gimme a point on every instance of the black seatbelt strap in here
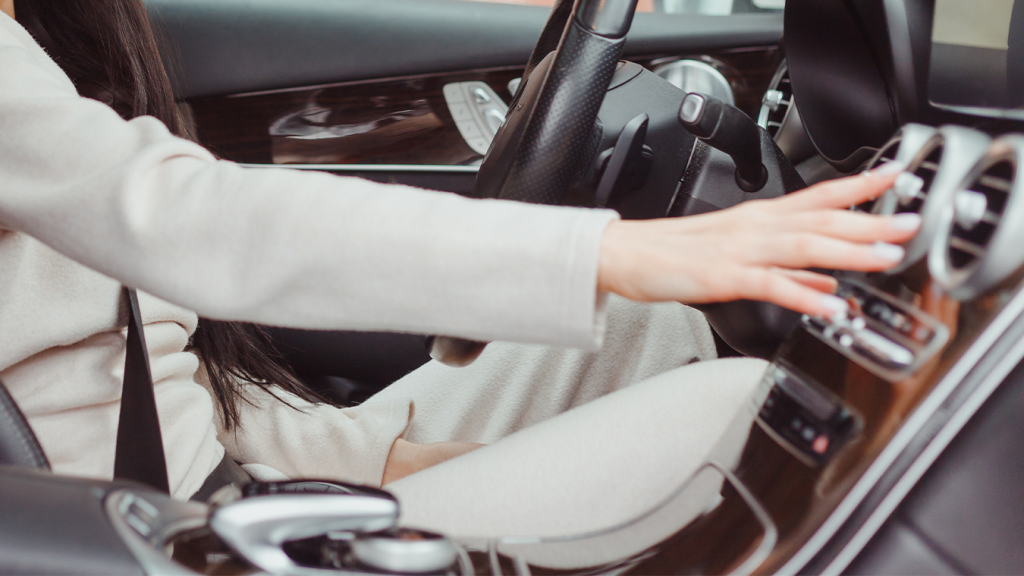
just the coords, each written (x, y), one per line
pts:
(140, 447)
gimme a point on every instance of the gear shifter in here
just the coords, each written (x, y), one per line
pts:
(728, 129)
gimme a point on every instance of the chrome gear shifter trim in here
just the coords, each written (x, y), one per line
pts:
(257, 527)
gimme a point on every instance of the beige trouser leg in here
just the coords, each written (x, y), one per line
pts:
(512, 386)
(593, 467)
(578, 441)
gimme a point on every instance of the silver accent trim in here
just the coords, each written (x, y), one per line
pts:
(771, 533)
(928, 456)
(908, 141)
(774, 99)
(961, 149)
(914, 424)
(514, 84)
(478, 112)
(696, 76)
(907, 187)
(971, 209)
(759, 555)
(1002, 256)
(257, 527)
(869, 348)
(405, 556)
(371, 168)
(167, 519)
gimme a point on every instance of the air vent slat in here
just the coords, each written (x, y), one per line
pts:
(1000, 184)
(776, 102)
(978, 213)
(969, 247)
(990, 217)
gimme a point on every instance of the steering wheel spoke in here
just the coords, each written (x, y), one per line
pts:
(550, 138)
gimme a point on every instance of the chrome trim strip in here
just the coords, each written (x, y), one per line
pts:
(771, 532)
(764, 549)
(371, 168)
(150, 552)
(903, 438)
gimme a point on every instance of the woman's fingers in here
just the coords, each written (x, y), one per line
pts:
(779, 288)
(856, 226)
(813, 280)
(844, 192)
(807, 250)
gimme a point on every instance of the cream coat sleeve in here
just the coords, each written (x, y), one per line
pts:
(280, 247)
(301, 440)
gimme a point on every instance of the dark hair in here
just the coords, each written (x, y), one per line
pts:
(108, 49)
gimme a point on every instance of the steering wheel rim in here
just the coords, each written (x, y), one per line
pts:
(551, 135)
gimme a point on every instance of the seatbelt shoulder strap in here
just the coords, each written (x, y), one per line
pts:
(140, 447)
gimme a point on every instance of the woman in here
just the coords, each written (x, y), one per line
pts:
(94, 194)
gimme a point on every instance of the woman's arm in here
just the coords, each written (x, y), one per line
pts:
(277, 246)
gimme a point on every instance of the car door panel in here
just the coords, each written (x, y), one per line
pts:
(400, 121)
(240, 46)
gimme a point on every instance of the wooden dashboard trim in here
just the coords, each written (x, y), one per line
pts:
(397, 121)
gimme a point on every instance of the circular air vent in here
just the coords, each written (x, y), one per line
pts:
(982, 226)
(776, 102)
(933, 175)
(903, 147)
(696, 76)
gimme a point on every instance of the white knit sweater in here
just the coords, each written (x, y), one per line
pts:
(89, 201)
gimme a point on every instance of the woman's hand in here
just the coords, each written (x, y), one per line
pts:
(408, 458)
(759, 249)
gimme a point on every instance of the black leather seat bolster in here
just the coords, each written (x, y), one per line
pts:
(18, 444)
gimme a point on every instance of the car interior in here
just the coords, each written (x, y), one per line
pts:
(886, 440)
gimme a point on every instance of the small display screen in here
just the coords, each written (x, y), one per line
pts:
(977, 61)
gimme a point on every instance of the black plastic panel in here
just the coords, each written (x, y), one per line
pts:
(838, 80)
(235, 46)
(367, 357)
(18, 444)
(56, 525)
(899, 550)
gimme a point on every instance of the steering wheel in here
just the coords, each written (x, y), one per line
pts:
(551, 136)
(551, 133)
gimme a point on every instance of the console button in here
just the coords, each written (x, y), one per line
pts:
(806, 419)
(480, 96)
(888, 337)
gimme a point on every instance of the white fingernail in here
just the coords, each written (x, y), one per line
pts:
(890, 252)
(834, 304)
(888, 169)
(905, 222)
